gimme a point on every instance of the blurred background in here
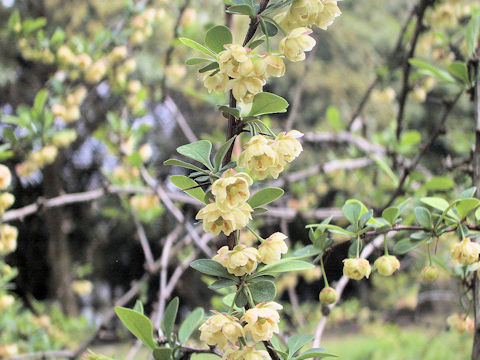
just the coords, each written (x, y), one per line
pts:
(105, 84)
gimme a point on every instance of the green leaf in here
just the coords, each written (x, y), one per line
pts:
(435, 202)
(217, 37)
(40, 100)
(227, 110)
(352, 212)
(314, 353)
(138, 307)
(333, 229)
(241, 9)
(471, 36)
(296, 342)
(465, 206)
(430, 70)
(265, 196)
(439, 183)
(221, 283)
(306, 252)
(199, 151)
(333, 118)
(176, 162)
(198, 60)
(460, 71)
(162, 353)
(285, 265)
(169, 317)
(211, 267)
(194, 45)
(270, 29)
(183, 182)
(405, 245)
(410, 138)
(268, 103)
(190, 324)
(386, 169)
(423, 217)
(468, 193)
(390, 214)
(241, 299)
(220, 155)
(138, 324)
(263, 290)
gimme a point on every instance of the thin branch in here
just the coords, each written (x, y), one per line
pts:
(142, 237)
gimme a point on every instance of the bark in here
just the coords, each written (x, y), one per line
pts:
(58, 250)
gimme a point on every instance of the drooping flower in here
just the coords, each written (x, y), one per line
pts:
(262, 321)
(328, 296)
(460, 323)
(5, 177)
(221, 330)
(465, 252)
(272, 248)
(231, 190)
(326, 16)
(8, 239)
(387, 265)
(218, 82)
(245, 88)
(429, 273)
(294, 45)
(287, 146)
(356, 268)
(6, 301)
(6, 200)
(246, 353)
(240, 260)
(274, 65)
(260, 158)
(235, 61)
(215, 220)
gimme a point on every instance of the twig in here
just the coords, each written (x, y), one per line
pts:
(180, 119)
(142, 236)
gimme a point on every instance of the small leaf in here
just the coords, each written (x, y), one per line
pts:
(365, 218)
(423, 217)
(268, 103)
(386, 169)
(235, 112)
(217, 37)
(265, 196)
(390, 214)
(405, 245)
(270, 28)
(460, 71)
(471, 36)
(241, 299)
(190, 324)
(198, 60)
(241, 9)
(138, 307)
(138, 324)
(176, 162)
(465, 206)
(468, 193)
(439, 183)
(183, 182)
(194, 45)
(199, 151)
(435, 202)
(314, 353)
(220, 155)
(221, 283)
(296, 342)
(430, 70)
(211, 267)
(169, 317)
(212, 66)
(263, 290)
(333, 229)
(40, 100)
(285, 265)
(352, 212)
(162, 353)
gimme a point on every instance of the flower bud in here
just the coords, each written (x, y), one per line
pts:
(145, 152)
(5, 177)
(466, 252)
(134, 86)
(6, 301)
(8, 239)
(328, 296)
(118, 53)
(82, 287)
(6, 270)
(6, 200)
(386, 265)
(356, 268)
(429, 274)
(48, 154)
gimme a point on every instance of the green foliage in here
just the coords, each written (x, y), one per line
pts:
(169, 317)
(267, 103)
(265, 196)
(138, 324)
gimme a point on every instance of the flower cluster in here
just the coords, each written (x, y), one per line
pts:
(258, 324)
(263, 157)
(8, 233)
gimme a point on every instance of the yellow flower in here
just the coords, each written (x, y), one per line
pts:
(84, 61)
(429, 273)
(8, 350)
(272, 248)
(245, 88)
(6, 200)
(95, 72)
(218, 82)
(221, 330)
(465, 252)
(145, 152)
(8, 239)
(231, 190)
(235, 61)
(5, 177)
(387, 265)
(260, 158)
(296, 43)
(144, 202)
(216, 220)
(327, 15)
(239, 261)
(274, 65)
(82, 287)
(65, 55)
(118, 53)
(262, 321)
(246, 353)
(460, 323)
(301, 13)
(64, 138)
(356, 268)
(287, 146)
(328, 296)
(6, 301)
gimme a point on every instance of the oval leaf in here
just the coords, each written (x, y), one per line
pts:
(190, 324)
(263, 290)
(138, 324)
(217, 37)
(211, 267)
(199, 151)
(265, 196)
(184, 183)
(169, 317)
(285, 265)
(268, 103)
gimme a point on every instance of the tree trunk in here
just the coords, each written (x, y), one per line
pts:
(58, 249)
